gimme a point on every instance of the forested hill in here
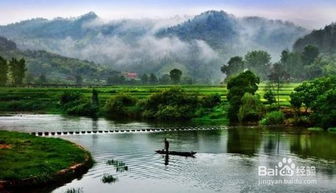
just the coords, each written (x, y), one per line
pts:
(232, 34)
(324, 39)
(53, 67)
(196, 45)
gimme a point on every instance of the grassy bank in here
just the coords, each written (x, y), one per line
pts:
(24, 156)
(46, 100)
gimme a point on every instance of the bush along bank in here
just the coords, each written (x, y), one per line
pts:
(170, 104)
(34, 162)
(312, 103)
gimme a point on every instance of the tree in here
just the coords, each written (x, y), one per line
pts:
(324, 109)
(79, 80)
(251, 109)
(307, 93)
(18, 69)
(42, 79)
(95, 100)
(234, 66)
(165, 79)
(144, 78)
(318, 95)
(258, 62)
(153, 79)
(3, 71)
(175, 75)
(245, 82)
(309, 54)
(278, 76)
(284, 56)
(116, 79)
(315, 69)
(292, 64)
(269, 96)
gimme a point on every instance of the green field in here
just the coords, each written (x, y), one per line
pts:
(26, 156)
(46, 99)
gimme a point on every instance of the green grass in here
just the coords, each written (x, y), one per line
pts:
(31, 156)
(217, 115)
(315, 129)
(45, 100)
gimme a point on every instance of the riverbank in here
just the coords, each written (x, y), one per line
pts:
(33, 162)
(47, 100)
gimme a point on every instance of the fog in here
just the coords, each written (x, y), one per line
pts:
(132, 44)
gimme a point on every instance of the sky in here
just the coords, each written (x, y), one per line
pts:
(312, 14)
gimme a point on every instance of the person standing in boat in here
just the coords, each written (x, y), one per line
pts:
(166, 145)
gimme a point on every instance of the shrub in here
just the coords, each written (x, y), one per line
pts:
(74, 103)
(273, 118)
(69, 97)
(324, 109)
(251, 109)
(173, 103)
(121, 105)
(319, 95)
(269, 96)
(82, 107)
(211, 100)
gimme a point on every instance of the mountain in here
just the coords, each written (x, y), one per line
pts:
(198, 45)
(237, 35)
(56, 68)
(56, 28)
(215, 28)
(324, 39)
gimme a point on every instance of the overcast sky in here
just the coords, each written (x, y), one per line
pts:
(308, 13)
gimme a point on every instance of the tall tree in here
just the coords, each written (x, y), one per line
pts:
(153, 79)
(175, 75)
(278, 76)
(284, 56)
(309, 54)
(293, 65)
(115, 78)
(234, 66)
(18, 70)
(258, 62)
(3, 71)
(245, 82)
(144, 78)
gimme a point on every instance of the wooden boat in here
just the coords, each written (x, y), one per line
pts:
(179, 153)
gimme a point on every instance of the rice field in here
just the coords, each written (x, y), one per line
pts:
(46, 99)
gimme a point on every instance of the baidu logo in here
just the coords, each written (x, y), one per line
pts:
(286, 167)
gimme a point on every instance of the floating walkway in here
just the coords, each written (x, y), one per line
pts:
(116, 131)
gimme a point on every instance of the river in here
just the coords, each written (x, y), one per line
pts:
(235, 159)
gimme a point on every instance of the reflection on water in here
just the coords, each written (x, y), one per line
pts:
(227, 159)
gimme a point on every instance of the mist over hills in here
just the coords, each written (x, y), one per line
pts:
(324, 39)
(198, 45)
(55, 68)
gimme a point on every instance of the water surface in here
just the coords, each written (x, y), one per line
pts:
(227, 158)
